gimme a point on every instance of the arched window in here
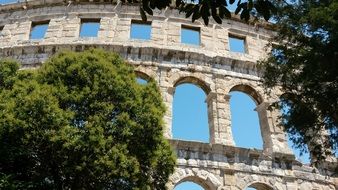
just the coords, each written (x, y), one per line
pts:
(188, 185)
(190, 116)
(244, 119)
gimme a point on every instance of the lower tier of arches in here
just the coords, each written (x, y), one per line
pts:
(217, 167)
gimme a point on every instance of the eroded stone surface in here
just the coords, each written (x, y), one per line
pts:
(219, 165)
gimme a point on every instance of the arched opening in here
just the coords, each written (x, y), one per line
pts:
(141, 81)
(244, 119)
(259, 186)
(190, 113)
(188, 185)
(142, 78)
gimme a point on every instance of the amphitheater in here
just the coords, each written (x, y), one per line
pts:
(219, 164)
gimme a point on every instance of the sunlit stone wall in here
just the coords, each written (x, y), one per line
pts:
(218, 165)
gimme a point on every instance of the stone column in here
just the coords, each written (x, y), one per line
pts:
(274, 138)
(224, 116)
(167, 94)
(212, 118)
(219, 119)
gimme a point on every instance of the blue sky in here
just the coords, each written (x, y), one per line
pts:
(190, 120)
(8, 1)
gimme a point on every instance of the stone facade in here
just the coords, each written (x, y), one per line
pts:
(218, 165)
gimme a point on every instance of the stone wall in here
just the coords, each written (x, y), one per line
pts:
(211, 65)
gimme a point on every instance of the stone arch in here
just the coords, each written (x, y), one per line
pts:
(199, 176)
(142, 75)
(260, 186)
(193, 80)
(204, 184)
(145, 73)
(261, 183)
(249, 90)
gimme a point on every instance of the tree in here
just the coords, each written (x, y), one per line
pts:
(303, 64)
(81, 121)
(217, 9)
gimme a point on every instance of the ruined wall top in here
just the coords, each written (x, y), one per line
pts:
(64, 18)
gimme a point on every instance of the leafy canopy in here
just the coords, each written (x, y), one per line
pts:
(81, 121)
(303, 63)
(217, 9)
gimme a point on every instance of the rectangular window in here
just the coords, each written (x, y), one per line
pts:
(190, 35)
(38, 30)
(1, 29)
(89, 27)
(140, 30)
(237, 44)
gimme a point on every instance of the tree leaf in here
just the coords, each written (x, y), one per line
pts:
(245, 14)
(221, 2)
(196, 14)
(217, 19)
(178, 3)
(231, 2)
(250, 4)
(147, 9)
(238, 9)
(224, 12)
(205, 13)
(152, 4)
(143, 15)
(239, 2)
(189, 12)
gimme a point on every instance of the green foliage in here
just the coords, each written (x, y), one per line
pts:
(303, 63)
(8, 70)
(81, 121)
(206, 8)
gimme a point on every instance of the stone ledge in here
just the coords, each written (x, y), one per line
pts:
(236, 159)
(35, 53)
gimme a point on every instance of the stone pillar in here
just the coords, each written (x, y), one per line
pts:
(274, 138)
(107, 29)
(219, 118)
(19, 31)
(212, 118)
(224, 116)
(71, 28)
(168, 94)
